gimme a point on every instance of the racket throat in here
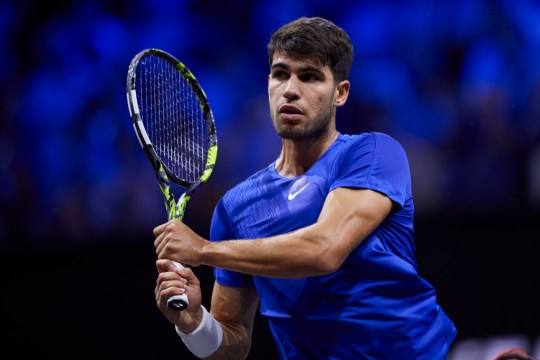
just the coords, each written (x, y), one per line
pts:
(180, 207)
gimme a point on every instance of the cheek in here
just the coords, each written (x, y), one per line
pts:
(319, 102)
(327, 100)
(273, 95)
(271, 99)
(272, 104)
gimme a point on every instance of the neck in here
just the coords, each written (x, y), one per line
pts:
(298, 156)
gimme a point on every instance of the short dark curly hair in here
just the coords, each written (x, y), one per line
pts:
(315, 37)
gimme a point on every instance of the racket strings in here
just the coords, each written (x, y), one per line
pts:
(173, 118)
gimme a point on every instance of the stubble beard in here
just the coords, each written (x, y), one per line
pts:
(313, 130)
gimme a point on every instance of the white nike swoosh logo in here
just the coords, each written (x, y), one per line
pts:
(295, 194)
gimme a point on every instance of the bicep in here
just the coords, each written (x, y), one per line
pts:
(350, 215)
(235, 308)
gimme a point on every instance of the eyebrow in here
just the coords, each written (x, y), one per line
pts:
(302, 69)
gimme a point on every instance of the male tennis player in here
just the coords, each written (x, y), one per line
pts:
(322, 237)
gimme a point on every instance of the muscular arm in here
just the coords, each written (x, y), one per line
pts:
(235, 309)
(348, 216)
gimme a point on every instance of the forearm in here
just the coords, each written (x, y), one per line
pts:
(304, 252)
(347, 218)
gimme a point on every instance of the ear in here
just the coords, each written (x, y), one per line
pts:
(342, 92)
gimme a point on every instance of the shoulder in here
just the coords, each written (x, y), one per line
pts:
(370, 142)
(368, 137)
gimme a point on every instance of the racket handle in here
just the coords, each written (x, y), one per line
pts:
(178, 302)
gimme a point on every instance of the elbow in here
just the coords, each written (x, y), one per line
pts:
(322, 253)
(326, 262)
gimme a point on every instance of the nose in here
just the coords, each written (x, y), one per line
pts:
(291, 91)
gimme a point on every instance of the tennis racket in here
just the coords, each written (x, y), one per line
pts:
(175, 127)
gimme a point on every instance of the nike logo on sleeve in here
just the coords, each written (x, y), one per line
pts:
(295, 194)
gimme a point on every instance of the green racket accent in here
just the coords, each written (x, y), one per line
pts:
(170, 203)
(212, 156)
(181, 206)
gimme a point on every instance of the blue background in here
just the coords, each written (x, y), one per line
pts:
(456, 82)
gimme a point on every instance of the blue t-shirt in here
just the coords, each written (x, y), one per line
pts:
(375, 306)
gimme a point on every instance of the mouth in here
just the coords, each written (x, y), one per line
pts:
(290, 112)
(289, 109)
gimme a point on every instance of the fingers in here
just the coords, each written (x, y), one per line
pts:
(175, 281)
(178, 242)
(160, 229)
(164, 265)
(169, 271)
(163, 233)
(169, 284)
(159, 233)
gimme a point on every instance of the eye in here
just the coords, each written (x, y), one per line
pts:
(280, 74)
(309, 77)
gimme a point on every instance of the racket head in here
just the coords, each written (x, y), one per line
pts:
(172, 118)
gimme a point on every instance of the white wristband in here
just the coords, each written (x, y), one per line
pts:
(206, 338)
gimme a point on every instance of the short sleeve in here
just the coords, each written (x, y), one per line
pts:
(377, 162)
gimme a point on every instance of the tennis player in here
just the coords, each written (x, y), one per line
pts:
(322, 237)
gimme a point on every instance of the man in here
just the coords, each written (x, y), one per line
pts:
(322, 237)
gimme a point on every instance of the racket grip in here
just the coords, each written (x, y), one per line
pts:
(178, 302)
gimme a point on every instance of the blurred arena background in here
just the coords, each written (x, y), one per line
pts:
(457, 82)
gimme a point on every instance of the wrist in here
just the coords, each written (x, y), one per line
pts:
(206, 338)
(197, 318)
(209, 252)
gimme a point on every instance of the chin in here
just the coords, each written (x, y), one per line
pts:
(290, 132)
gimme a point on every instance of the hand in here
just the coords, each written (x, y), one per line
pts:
(175, 241)
(173, 281)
